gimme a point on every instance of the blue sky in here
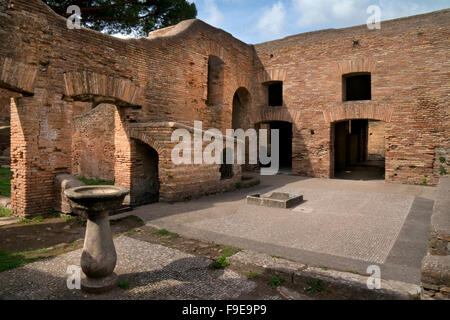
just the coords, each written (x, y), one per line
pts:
(255, 21)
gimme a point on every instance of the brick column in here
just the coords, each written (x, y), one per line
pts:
(32, 184)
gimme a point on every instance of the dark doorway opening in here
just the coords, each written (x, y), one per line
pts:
(356, 86)
(351, 151)
(285, 134)
(145, 180)
(226, 169)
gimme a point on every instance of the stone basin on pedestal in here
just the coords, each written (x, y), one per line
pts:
(99, 257)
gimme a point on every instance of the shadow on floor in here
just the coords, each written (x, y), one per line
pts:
(370, 170)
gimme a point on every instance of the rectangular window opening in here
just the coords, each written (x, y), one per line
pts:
(356, 87)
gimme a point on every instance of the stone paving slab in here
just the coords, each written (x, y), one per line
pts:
(8, 220)
(343, 224)
(355, 225)
(153, 272)
(350, 285)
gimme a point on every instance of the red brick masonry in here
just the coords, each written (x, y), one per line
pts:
(55, 74)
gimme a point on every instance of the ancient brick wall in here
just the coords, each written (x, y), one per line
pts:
(376, 146)
(165, 76)
(408, 62)
(55, 74)
(5, 131)
(93, 143)
(4, 112)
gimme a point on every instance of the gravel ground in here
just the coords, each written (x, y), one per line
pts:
(152, 271)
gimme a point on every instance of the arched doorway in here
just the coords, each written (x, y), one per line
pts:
(358, 149)
(144, 174)
(241, 109)
(241, 119)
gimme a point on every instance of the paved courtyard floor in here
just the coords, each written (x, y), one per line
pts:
(342, 224)
(154, 272)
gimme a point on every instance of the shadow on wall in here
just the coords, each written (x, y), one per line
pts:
(5, 132)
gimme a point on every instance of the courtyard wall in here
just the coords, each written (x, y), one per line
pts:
(60, 80)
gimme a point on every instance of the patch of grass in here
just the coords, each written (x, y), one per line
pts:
(124, 285)
(314, 286)
(424, 182)
(188, 198)
(353, 271)
(442, 171)
(228, 252)
(5, 172)
(221, 262)
(253, 275)
(52, 212)
(95, 182)
(323, 268)
(238, 185)
(10, 260)
(275, 281)
(37, 219)
(66, 217)
(5, 181)
(24, 220)
(164, 232)
(442, 160)
(5, 212)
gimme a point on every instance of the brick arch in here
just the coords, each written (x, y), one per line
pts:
(243, 81)
(272, 75)
(356, 65)
(17, 76)
(358, 111)
(137, 134)
(101, 88)
(277, 114)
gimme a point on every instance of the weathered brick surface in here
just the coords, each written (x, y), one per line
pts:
(55, 74)
(376, 141)
(93, 143)
(408, 61)
(5, 131)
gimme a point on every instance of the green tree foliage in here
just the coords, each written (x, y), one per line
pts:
(137, 17)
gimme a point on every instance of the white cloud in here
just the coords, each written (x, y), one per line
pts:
(341, 13)
(272, 20)
(313, 13)
(213, 15)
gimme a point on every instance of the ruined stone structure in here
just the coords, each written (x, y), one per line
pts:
(90, 104)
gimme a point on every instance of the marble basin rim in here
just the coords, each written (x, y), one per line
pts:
(100, 198)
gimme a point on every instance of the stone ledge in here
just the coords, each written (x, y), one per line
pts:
(352, 286)
(436, 277)
(440, 220)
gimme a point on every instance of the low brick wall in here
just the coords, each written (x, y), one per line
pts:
(436, 265)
